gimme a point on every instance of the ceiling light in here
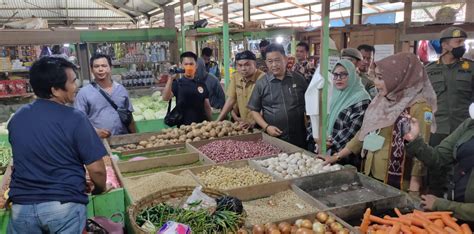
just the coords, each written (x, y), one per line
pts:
(279, 40)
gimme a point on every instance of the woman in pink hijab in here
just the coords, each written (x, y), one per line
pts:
(403, 89)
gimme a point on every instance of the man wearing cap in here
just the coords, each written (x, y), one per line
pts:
(355, 56)
(452, 78)
(241, 87)
(303, 66)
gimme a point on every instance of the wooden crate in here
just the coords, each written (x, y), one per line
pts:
(235, 164)
(266, 190)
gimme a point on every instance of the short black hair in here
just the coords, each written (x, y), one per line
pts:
(188, 54)
(206, 51)
(367, 48)
(303, 44)
(263, 43)
(99, 56)
(274, 47)
(47, 73)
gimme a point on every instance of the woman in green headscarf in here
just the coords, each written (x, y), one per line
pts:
(348, 104)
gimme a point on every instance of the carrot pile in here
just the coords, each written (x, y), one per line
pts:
(418, 222)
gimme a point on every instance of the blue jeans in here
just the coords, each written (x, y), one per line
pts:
(48, 217)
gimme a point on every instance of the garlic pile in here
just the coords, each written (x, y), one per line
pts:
(296, 165)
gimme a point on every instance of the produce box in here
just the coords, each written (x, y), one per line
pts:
(273, 202)
(119, 140)
(153, 165)
(214, 176)
(154, 152)
(4, 220)
(347, 193)
(282, 145)
(154, 125)
(175, 136)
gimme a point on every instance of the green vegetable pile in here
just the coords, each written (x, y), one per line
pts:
(200, 221)
(149, 107)
(5, 155)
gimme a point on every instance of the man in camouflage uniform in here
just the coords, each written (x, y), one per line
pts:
(452, 78)
(355, 56)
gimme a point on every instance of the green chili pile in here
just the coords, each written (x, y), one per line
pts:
(200, 221)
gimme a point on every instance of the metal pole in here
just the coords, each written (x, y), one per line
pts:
(183, 33)
(324, 62)
(226, 43)
(293, 45)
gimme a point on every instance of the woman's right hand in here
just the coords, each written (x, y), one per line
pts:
(414, 130)
(328, 159)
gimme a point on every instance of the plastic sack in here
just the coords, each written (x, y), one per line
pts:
(199, 200)
(171, 227)
(111, 177)
(228, 203)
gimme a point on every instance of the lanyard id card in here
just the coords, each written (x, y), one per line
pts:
(373, 142)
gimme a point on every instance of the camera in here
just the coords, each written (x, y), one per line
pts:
(176, 70)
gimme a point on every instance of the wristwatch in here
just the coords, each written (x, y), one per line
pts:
(337, 156)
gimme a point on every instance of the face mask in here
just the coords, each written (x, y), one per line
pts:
(471, 111)
(189, 70)
(458, 52)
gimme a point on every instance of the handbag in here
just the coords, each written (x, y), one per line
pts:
(174, 117)
(103, 225)
(125, 115)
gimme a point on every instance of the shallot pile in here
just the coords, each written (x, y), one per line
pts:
(232, 150)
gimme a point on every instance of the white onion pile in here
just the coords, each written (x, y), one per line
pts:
(296, 165)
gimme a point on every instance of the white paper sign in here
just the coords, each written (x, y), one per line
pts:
(383, 51)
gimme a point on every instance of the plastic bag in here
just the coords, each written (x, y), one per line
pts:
(199, 200)
(228, 203)
(171, 227)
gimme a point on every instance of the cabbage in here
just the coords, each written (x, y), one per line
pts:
(150, 107)
(149, 114)
(137, 110)
(138, 117)
(156, 94)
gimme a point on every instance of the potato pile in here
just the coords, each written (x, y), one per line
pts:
(189, 133)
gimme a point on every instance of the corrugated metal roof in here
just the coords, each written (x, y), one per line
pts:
(297, 10)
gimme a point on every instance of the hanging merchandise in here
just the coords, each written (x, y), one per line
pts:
(45, 51)
(423, 51)
(436, 45)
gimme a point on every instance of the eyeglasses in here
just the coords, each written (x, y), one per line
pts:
(339, 76)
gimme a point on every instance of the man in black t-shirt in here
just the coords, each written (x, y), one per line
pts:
(192, 96)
